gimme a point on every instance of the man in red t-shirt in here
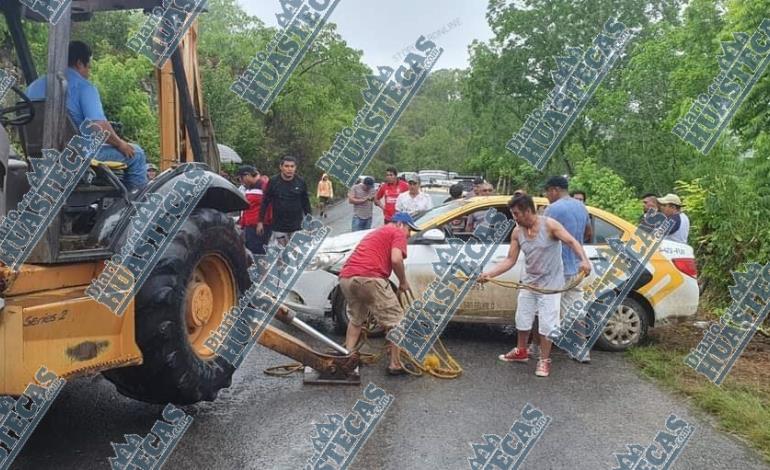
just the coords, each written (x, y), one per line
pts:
(364, 282)
(390, 191)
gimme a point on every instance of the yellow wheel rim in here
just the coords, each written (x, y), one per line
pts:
(210, 294)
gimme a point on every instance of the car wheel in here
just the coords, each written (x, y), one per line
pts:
(627, 327)
(341, 317)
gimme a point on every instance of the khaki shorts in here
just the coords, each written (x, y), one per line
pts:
(371, 295)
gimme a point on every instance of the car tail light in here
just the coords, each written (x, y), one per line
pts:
(687, 266)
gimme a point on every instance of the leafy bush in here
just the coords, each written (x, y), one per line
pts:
(125, 85)
(606, 190)
(728, 210)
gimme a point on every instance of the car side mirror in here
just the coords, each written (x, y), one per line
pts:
(434, 235)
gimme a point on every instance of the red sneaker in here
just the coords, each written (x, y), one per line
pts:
(543, 368)
(515, 355)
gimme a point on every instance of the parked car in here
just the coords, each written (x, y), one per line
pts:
(668, 289)
(432, 177)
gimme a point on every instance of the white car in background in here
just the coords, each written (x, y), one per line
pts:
(666, 290)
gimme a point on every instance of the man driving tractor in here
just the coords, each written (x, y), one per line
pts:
(84, 102)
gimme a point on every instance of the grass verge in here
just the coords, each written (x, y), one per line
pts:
(741, 407)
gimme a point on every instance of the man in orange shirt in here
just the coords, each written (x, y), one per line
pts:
(325, 193)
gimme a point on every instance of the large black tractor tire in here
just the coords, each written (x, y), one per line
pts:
(205, 262)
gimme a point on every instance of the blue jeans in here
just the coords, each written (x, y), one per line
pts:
(135, 176)
(361, 224)
(254, 242)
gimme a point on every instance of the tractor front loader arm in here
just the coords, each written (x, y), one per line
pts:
(329, 366)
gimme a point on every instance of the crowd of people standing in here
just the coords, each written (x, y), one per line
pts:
(393, 195)
(552, 243)
(278, 204)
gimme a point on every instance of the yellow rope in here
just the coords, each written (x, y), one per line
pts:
(540, 290)
(284, 370)
(438, 363)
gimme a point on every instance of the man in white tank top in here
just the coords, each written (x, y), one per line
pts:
(540, 239)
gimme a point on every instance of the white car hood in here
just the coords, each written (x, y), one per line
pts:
(344, 242)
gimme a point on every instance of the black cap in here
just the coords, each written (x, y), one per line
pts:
(556, 182)
(246, 170)
(478, 180)
(368, 181)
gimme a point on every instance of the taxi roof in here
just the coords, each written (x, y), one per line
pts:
(486, 201)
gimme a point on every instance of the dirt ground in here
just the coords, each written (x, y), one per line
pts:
(753, 367)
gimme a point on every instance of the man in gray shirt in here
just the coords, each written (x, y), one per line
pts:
(362, 197)
(540, 239)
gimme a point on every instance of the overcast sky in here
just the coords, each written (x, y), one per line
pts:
(383, 28)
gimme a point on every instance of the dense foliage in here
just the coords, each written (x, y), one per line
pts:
(620, 147)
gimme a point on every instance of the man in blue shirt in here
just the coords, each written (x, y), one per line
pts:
(84, 102)
(573, 215)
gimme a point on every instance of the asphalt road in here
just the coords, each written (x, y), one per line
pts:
(262, 422)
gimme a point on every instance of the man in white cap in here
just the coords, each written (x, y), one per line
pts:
(413, 200)
(671, 206)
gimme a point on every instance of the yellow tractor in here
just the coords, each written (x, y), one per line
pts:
(154, 352)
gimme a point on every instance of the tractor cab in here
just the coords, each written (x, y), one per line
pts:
(156, 351)
(85, 227)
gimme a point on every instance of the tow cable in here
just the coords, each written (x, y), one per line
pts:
(540, 290)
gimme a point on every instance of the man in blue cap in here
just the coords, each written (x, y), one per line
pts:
(573, 216)
(364, 282)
